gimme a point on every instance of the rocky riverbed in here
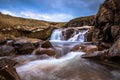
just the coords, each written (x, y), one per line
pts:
(74, 52)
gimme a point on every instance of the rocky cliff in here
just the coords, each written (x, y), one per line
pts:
(107, 26)
(107, 21)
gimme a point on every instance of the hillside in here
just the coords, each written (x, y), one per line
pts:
(11, 27)
(81, 21)
(10, 21)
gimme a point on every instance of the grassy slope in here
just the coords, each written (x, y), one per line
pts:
(10, 21)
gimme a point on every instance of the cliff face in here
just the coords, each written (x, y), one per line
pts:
(107, 26)
(107, 21)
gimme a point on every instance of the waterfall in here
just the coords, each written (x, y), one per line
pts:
(69, 66)
(78, 37)
(58, 35)
(64, 39)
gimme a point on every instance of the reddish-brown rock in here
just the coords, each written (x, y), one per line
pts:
(85, 48)
(47, 51)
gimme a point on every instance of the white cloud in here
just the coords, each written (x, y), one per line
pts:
(56, 17)
(8, 12)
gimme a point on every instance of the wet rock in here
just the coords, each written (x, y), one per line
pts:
(89, 49)
(7, 70)
(97, 55)
(85, 48)
(34, 41)
(7, 51)
(89, 34)
(24, 47)
(6, 62)
(46, 44)
(76, 48)
(115, 49)
(47, 51)
(68, 33)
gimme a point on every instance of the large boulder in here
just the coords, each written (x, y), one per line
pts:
(97, 55)
(85, 48)
(42, 34)
(47, 51)
(7, 70)
(46, 48)
(107, 27)
(34, 41)
(24, 47)
(107, 22)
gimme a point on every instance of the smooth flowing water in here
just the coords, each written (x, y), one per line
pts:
(58, 35)
(64, 46)
(68, 67)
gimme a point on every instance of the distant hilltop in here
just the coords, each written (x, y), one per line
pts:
(11, 21)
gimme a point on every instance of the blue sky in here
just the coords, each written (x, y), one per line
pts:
(50, 10)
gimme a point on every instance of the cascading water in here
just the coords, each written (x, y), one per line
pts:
(68, 67)
(57, 35)
(63, 46)
(80, 37)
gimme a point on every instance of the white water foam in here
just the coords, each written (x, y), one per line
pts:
(68, 67)
(58, 36)
(36, 70)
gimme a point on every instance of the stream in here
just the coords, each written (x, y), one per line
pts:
(70, 66)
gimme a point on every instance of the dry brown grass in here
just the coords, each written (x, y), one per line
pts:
(10, 21)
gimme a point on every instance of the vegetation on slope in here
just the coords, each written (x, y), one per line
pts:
(10, 21)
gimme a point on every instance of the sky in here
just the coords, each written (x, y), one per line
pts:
(50, 10)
